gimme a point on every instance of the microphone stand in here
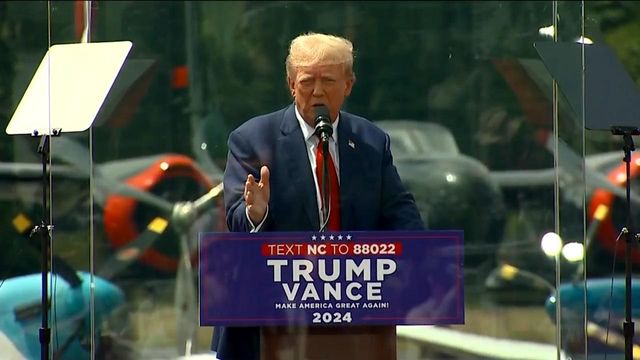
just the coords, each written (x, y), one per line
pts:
(324, 130)
(326, 195)
(628, 327)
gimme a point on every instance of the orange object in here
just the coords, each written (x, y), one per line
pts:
(180, 77)
(119, 210)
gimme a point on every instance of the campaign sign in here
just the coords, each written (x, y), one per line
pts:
(336, 278)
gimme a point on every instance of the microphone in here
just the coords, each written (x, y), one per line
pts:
(323, 123)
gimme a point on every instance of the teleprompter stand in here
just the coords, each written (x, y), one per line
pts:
(628, 327)
(606, 97)
(65, 94)
(43, 230)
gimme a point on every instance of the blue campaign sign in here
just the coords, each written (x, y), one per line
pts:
(337, 278)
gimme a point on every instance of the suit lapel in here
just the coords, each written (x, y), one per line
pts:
(294, 150)
(350, 175)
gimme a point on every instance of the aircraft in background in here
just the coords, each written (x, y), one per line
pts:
(443, 179)
(449, 187)
(592, 309)
(452, 189)
(602, 300)
(170, 189)
(70, 316)
(147, 210)
(151, 208)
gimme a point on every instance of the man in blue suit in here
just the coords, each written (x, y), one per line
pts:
(270, 177)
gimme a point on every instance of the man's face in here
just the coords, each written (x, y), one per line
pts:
(319, 85)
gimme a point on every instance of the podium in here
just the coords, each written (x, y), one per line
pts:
(328, 343)
(320, 296)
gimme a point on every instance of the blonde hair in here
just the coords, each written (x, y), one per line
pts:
(319, 49)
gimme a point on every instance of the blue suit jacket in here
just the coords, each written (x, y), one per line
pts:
(372, 196)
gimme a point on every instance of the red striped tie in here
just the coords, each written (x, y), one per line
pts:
(334, 216)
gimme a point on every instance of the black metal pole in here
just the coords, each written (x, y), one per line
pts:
(326, 199)
(628, 327)
(45, 238)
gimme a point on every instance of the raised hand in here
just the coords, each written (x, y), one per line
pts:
(256, 195)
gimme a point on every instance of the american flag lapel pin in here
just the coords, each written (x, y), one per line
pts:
(351, 144)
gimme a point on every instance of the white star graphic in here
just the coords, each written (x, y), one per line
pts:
(322, 237)
(339, 237)
(331, 237)
(314, 238)
(348, 237)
